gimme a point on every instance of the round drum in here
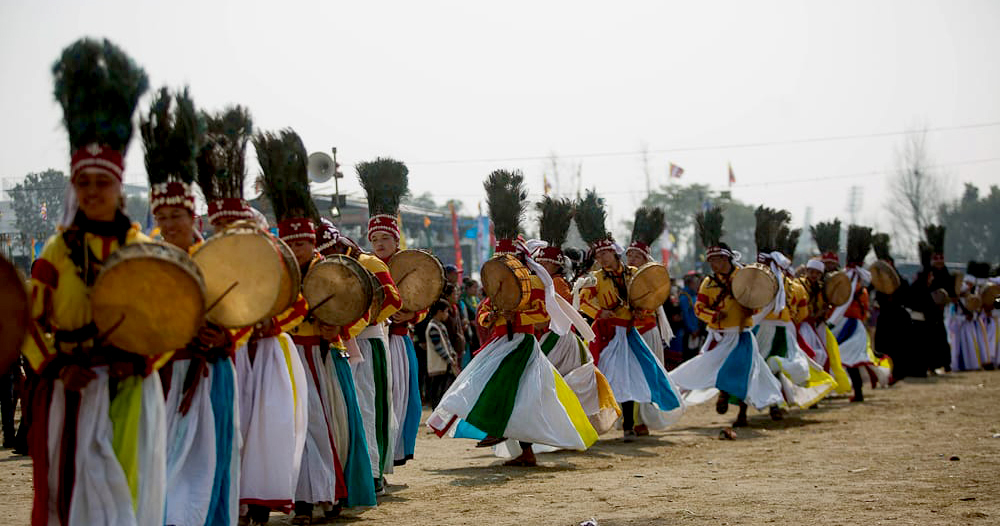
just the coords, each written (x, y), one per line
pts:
(650, 287)
(14, 313)
(148, 299)
(990, 294)
(973, 302)
(837, 288)
(241, 262)
(507, 282)
(754, 286)
(338, 290)
(885, 279)
(419, 278)
(291, 278)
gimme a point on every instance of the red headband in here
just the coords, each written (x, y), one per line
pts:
(550, 254)
(229, 207)
(383, 223)
(510, 246)
(173, 193)
(640, 246)
(830, 257)
(602, 245)
(718, 251)
(297, 228)
(95, 157)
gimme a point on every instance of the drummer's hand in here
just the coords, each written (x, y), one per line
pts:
(329, 332)
(211, 337)
(488, 320)
(402, 316)
(76, 377)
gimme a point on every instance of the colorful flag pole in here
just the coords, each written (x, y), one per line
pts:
(402, 237)
(732, 177)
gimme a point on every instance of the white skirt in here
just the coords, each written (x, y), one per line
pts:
(636, 375)
(364, 384)
(273, 415)
(317, 480)
(729, 360)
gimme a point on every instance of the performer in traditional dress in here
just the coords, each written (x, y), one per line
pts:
(894, 326)
(933, 288)
(385, 185)
(270, 378)
(561, 344)
(98, 434)
(654, 328)
(649, 224)
(802, 382)
(386, 180)
(970, 350)
(991, 318)
(849, 319)
(730, 360)
(635, 374)
(286, 185)
(200, 381)
(814, 332)
(348, 426)
(510, 390)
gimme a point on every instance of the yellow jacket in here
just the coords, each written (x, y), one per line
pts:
(392, 302)
(603, 295)
(532, 314)
(717, 307)
(59, 297)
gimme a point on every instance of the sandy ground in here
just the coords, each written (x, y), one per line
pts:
(922, 452)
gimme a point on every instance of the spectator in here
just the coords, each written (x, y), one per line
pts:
(468, 301)
(693, 334)
(456, 322)
(441, 359)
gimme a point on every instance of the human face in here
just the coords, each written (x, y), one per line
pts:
(176, 225)
(829, 266)
(813, 275)
(550, 267)
(720, 264)
(635, 258)
(452, 277)
(384, 245)
(98, 195)
(472, 289)
(303, 250)
(607, 259)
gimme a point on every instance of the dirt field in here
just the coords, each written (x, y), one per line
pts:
(922, 452)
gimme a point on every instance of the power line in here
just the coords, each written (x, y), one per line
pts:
(710, 147)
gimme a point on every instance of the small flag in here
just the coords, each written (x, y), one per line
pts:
(676, 171)
(545, 185)
(732, 177)
(44, 211)
(427, 221)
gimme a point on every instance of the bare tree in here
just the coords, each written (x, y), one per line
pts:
(915, 192)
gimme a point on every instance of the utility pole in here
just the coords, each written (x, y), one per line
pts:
(645, 166)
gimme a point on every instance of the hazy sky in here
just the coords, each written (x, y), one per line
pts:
(512, 83)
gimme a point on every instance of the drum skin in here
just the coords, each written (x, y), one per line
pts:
(247, 257)
(290, 279)
(419, 277)
(650, 287)
(754, 286)
(837, 288)
(148, 299)
(884, 277)
(14, 313)
(346, 281)
(507, 282)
